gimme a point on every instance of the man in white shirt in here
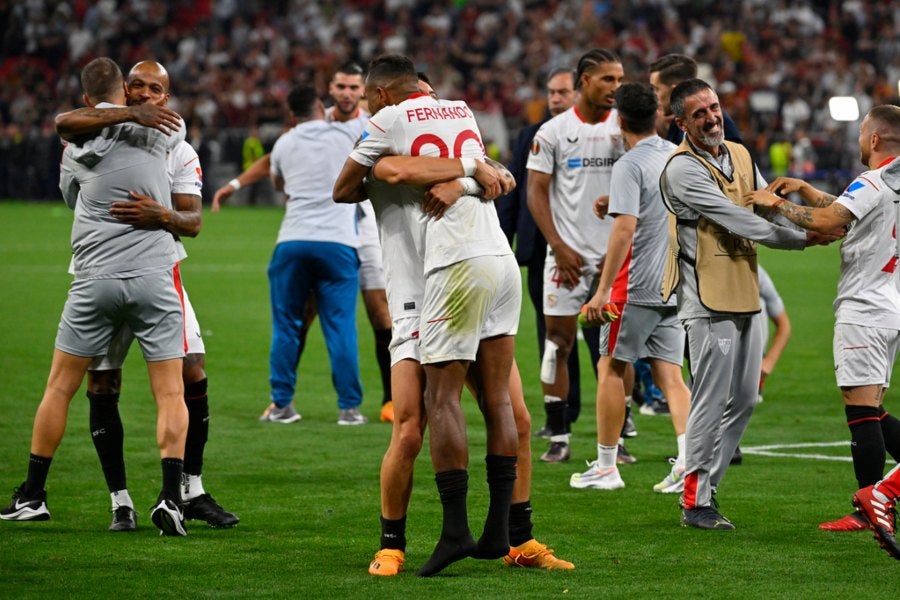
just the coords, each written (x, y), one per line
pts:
(570, 165)
(867, 307)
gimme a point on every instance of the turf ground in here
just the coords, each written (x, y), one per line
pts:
(307, 493)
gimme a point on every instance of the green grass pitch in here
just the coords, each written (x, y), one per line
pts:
(307, 493)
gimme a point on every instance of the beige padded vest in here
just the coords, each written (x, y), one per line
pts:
(725, 264)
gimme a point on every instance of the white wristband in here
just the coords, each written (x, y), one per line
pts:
(470, 186)
(469, 166)
(235, 184)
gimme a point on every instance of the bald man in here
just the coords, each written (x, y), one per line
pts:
(147, 96)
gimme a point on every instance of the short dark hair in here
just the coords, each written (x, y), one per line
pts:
(423, 77)
(681, 91)
(350, 68)
(301, 100)
(591, 60)
(559, 71)
(389, 68)
(101, 79)
(674, 68)
(636, 103)
(887, 118)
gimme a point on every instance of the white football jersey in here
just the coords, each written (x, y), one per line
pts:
(185, 177)
(580, 157)
(423, 126)
(401, 229)
(869, 287)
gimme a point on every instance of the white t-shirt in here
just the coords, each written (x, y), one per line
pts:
(185, 177)
(423, 126)
(368, 236)
(309, 158)
(869, 287)
(580, 157)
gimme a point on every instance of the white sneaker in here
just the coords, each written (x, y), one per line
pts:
(599, 479)
(673, 483)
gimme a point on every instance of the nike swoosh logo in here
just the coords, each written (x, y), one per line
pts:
(21, 506)
(571, 141)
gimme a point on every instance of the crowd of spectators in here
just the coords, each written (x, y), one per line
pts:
(775, 64)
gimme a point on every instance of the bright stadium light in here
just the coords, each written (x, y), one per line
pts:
(843, 108)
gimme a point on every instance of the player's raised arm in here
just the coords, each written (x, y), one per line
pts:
(258, 171)
(83, 121)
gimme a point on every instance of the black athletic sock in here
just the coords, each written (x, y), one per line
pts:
(456, 540)
(108, 436)
(383, 356)
(520, 525)
(501, 477)
(172, 469)
(197, 403)
(393, 534)
(38, 467)
(890, 431)
(556, 417)
(866, 445)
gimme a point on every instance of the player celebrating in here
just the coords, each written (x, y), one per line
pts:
(471, 299)
(867, 307)
(147, 88)
(124, 276)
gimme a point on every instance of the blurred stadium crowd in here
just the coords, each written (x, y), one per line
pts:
(774, 63)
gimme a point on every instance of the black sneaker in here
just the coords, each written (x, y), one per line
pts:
(167, 516)
(22, 508)
(557, 452)
(623, 456)
(204, 508)
(124, 519)
(543, 432)
(705, 517)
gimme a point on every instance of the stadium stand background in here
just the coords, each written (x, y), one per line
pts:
(775, 65)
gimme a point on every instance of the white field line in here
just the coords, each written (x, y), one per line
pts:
(771, 450)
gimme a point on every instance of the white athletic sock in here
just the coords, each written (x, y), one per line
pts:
(679, 460)
(621, 441)
(191, 487)
(606, 456)
(121, 498)
(563, 437)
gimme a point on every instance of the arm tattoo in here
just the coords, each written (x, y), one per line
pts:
(825, 200)
(801, 215)
(842, 212)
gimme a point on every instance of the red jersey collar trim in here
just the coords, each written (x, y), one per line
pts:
(583, 120)
(418, 95)
(888, 160)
